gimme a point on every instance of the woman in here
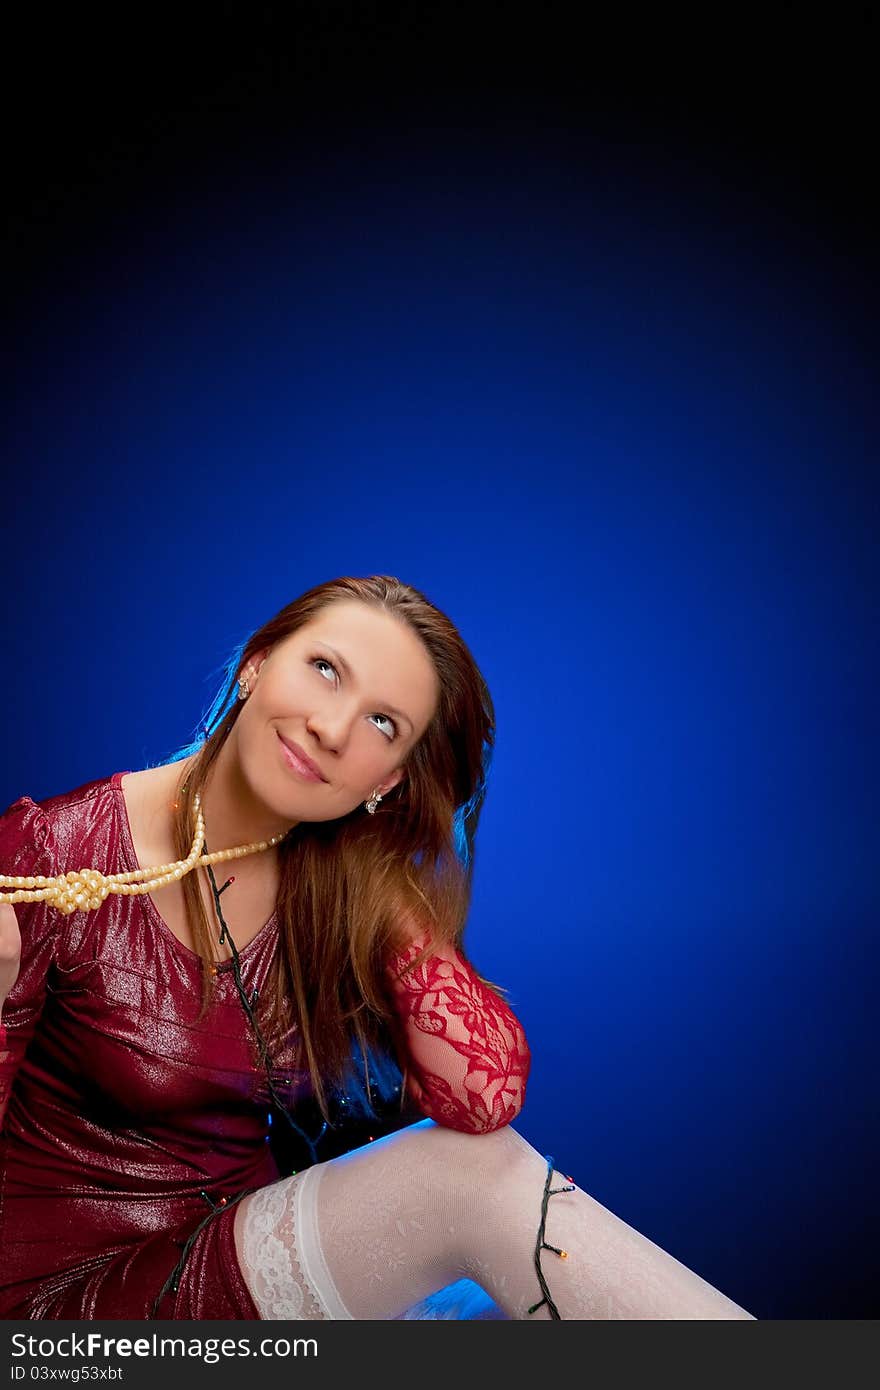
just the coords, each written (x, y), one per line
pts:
(149, 1042)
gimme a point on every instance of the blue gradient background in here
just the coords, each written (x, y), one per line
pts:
(612, 410)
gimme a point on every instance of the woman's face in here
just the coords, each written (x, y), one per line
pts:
(355, 690)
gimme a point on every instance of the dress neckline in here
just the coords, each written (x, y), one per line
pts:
(129, 854)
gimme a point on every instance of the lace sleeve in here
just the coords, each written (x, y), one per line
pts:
(463, 1051)
(25, 849)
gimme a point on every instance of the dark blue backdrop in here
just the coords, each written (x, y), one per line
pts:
(611, 410)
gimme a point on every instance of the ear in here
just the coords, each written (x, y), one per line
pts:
(256, 662)
(391, 781)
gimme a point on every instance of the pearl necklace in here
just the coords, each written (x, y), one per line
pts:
(82, 889)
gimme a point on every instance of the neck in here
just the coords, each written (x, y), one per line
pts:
(233, 815)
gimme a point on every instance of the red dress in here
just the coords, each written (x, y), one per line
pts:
(124, 1119)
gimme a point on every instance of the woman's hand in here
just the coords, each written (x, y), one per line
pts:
(10, 950)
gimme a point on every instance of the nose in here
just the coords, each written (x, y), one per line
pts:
(330, 728)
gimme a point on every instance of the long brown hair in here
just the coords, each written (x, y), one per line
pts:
(349, 885)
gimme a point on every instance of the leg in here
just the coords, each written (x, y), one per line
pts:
(367, 1234)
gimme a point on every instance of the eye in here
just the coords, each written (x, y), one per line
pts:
(388, 720)
(322, 661)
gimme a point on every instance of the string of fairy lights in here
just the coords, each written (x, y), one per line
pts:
(542, 1244)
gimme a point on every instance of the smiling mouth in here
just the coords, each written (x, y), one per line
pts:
(297, 760)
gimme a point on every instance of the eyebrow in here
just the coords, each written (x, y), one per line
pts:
(345, 666)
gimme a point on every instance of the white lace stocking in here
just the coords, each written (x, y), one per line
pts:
(370, 1233)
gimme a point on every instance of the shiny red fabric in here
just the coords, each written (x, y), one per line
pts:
(120, 1106)
(121, 1113)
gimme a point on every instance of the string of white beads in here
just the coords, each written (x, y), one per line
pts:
(80, 890)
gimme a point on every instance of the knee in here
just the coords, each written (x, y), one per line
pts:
(493, 1157)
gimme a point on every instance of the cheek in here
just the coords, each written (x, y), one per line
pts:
(290, 694)
(369, 755)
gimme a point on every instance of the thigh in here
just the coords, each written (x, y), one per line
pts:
(372, 1232)
(127, 1283)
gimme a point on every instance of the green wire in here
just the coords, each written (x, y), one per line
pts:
(541, 1244)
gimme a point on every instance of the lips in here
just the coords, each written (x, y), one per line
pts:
(302, 757)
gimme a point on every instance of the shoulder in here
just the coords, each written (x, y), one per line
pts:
(415, 943)
(48, 837)
(408, 927)
(37, 837)
(25, 830)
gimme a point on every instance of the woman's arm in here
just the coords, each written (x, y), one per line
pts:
(10, 953)
(464, 1051)
(24, 850)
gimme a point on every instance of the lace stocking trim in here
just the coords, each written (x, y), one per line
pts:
(311, 1254)
(282, 1263)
